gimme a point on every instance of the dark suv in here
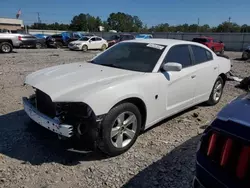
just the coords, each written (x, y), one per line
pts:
(118, 38)
(223, 154)
(55, 41)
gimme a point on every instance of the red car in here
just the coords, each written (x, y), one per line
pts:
(119, 37)
(213, 44)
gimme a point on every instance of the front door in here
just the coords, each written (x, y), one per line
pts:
(180, 85)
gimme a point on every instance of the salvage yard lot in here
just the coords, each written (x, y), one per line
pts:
(31, 156)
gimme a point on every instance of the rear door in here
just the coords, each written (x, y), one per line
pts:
(99, 42)
(206, 72)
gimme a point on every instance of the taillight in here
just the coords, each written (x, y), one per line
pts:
(243, 162)
(19, 38)
(212, 144)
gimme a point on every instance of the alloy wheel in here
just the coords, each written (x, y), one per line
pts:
(123, 130)
(6, 48)
(217, 90)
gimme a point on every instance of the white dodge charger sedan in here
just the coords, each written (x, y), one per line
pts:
(88, 43)
(124, 90)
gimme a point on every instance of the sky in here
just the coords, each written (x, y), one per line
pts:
(174, 12)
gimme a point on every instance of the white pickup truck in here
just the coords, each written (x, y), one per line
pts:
(9, 41)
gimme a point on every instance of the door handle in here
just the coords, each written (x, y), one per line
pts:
(215, 68)
(193, 76)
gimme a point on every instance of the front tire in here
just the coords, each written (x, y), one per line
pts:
(84, 48)
(59, 45)
(217, 91)
(6, 47)
(120, 129)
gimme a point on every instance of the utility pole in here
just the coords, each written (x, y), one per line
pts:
(229, 21)
(38, 18)
(198, 25)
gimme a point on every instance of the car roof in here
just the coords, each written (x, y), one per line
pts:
(166, 42)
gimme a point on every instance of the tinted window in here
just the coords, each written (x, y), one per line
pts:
(131, 56)
(114, 37)
(93, 39)
(131, 37)
(199, 40)
(84, 39)
(179, 54)
(200, 54)
(209, 55)
(97, 38)
(126, 37)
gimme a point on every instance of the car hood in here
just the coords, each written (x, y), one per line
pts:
(65, 82)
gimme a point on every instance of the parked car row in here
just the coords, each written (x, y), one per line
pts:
(95, 42)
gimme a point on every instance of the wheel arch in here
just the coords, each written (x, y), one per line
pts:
(6, 40)
(224, 77)
(139, 103)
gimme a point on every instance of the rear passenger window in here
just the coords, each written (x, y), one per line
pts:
(209, 55)
(179, 54)
(200, 54)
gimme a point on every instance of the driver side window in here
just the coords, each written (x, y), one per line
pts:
(93, 39)
(179, 54)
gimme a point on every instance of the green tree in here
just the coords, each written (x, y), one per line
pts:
(124, 22)
(228, 27)
(79, 23)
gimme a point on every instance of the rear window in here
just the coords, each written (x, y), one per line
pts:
(201, 55)
(200, 40)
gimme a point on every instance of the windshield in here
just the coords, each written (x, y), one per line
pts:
(84, 39)
(133, 56)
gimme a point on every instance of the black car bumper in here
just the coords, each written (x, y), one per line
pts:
(197, 183)
(28, 44)
(204, 179)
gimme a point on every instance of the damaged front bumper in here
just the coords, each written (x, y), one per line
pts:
(53, 125)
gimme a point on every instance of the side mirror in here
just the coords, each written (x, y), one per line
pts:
(172, 66)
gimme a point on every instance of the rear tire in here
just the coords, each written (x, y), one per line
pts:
(6, 47)
(39, 45)
(244, 56)
(118, 135)
(222, 51)
(104, 47)
(217, 91)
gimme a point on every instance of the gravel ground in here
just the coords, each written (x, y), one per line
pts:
(32, 157)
